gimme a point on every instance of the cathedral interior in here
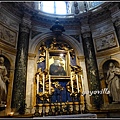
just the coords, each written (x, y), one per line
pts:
(60, 59)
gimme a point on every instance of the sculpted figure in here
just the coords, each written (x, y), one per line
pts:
(113, 81)
(3, 80)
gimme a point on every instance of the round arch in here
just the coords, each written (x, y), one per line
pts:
(105, 60)
(9, 59)
(68, 39)
(11, 77)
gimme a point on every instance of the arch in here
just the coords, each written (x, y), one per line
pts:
(11, 77)
(10, 60)
(68, 39)
(104, 68)
(105, 60)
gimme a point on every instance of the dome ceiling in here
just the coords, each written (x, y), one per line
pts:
(66, 7)
(45, 19)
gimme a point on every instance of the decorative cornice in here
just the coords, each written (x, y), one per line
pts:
(9, 49)
(24, 29)
(102, 16)
(31, 55)
(115, 7)
(108, 52)
(26, 22)
(81, 58)
(12, 8)
(85, 29)
(18, 9)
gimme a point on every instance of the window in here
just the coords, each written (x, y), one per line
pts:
(65, 7)
(54, 7)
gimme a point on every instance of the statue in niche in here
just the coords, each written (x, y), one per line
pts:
(42, 49)
(42, 52)
(3, 80)
(64, 47)
(113, 81)
(52, 47)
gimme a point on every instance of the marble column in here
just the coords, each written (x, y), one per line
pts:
(91, 66)
(19, 84)
(117, 28)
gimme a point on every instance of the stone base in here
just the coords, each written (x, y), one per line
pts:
(68, 116)
(113, 106)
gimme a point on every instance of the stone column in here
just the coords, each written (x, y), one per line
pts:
(91, 66)
(19, 84)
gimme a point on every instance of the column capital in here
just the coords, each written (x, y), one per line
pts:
(85, 29)
(26, 20)
(24, 28)
(25, 23)
(86, 35)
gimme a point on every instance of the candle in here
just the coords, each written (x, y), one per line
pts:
(49, 85)
(71, 82)
(82, 82)
(43, 83)
(77, 83)
(37, 83)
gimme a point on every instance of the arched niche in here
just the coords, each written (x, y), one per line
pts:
(9, 64)
(68, 39)
(103, 68)
(73, 47)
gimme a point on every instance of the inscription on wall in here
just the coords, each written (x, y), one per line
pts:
(106, 42)
(7, 35)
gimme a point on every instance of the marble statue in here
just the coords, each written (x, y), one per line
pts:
(113, 81)
(3, 80)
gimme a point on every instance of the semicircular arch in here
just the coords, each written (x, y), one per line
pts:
(68, 39)
(105, 60)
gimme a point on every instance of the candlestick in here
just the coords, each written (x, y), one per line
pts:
(37, 83)
(82, 82)
(77, 83)
(71, 82)
(43, 83)
(49, 85)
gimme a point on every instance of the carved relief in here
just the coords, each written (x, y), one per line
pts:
(9, 22)
(7, 35)
(106, 42)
